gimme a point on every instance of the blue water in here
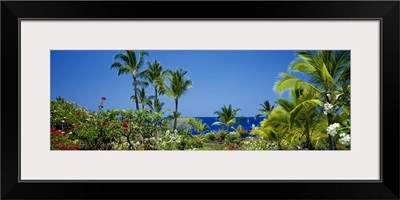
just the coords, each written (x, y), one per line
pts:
(246, 126)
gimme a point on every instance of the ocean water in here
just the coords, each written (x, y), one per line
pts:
(246, 126)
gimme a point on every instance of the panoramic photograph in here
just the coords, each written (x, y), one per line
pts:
(200, 100)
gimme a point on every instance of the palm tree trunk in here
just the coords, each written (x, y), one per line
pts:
(156, 110)
(176, 113)
(135, 90)
(331, 141)
(229, 128)
(155, 99)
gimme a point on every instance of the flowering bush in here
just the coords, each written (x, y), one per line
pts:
(258, 144)
(60, 140)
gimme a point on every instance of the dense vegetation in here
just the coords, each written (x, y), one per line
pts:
(316, 116)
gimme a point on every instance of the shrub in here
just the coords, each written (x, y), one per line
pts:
(221, 135)
(257, 144)
(210, 136)
(233, 137)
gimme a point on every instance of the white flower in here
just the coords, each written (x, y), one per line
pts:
(168, 132)
(331, 130)
(345, 140)
(175, 131)
(328, 108)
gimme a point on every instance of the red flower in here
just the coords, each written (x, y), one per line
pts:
(103, 98)
(72, 128)
(78, 113)
(90, 116)
(125, 129)
(104, 123)
(125, 125)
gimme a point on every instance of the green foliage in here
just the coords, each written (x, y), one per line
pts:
(210, 136)
(198, 125)
(232, 137)
(265, 109)
(258, 144)
(227, 117)
(221, 135)
(179, 84)
(127, 63)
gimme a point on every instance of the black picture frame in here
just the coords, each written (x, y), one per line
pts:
(386, 11)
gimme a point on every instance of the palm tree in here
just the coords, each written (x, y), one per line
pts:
(198, 125)
(127, 63)
(295, 118)
(304, 114)
(265, 109)
(143, 98)
(227, 117)
(154, 75)
(156, 107)
(327, 71)
(179, 84)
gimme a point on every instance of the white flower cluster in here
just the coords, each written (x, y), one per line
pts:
(328, 108)
(258, 144)
(254, 127)
(345, 139)
(331, 130)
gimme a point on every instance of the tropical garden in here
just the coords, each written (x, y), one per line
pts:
(314, 116)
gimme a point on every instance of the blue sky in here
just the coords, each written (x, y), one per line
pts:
(242, 78)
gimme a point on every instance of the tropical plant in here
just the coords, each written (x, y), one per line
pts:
(198, 125)
(143, 98)
(154, 76)
(127, 63)
(327, 71)
(179, 84)
(227, 117)
(265, 109)
(296, 120)
(305, 115)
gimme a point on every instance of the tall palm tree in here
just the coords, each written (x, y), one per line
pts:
(143, 98)
(265, 109)
(127, 63)
(227, 117)
(327, 71)
(179, 84)
(155, 75)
